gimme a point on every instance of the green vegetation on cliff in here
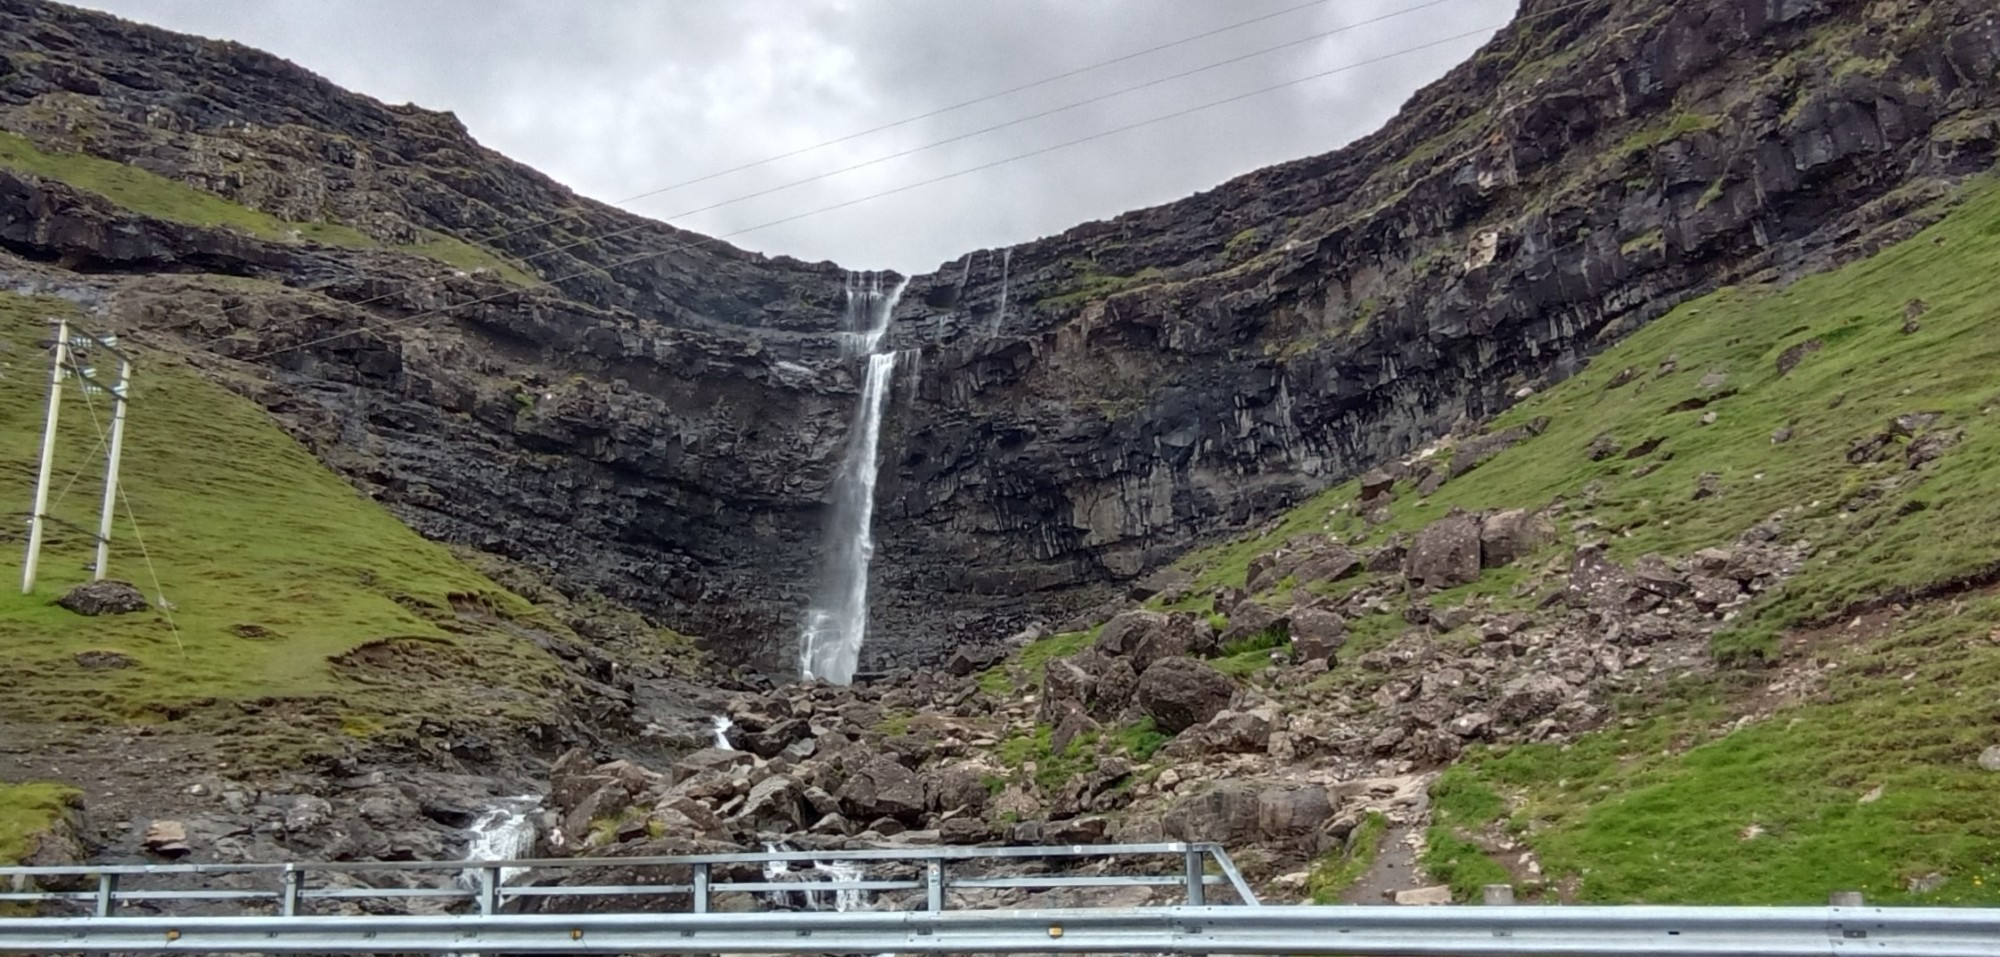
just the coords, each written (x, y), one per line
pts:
(150, 194)
(1837, 747)
(297, 607)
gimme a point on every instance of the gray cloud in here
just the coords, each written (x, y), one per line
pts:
(620, 97)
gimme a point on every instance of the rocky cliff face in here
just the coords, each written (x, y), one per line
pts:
(664, 429)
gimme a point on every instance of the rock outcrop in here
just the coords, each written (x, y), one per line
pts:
(662, 423)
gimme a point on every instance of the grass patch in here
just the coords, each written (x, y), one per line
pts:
(150, 194)
(1052, 769)
(25, 810)
(274, 566)
(1681, 809)
(1333, 874)
(1022, 672)
(457, 252)
(1139, 740)
(1461, 806)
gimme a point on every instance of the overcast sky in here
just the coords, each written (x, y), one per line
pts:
(621, 97)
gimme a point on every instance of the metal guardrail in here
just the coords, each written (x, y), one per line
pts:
(291, 889)
(1354, 931)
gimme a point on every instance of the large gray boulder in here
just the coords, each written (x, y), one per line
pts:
(1317, 634)
(1508, 536)
(1292, 813)
(1445, 554)
(882, 788)
(1179, 693)
(1143, 637)
(1227, 812)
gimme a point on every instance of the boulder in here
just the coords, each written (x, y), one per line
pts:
(1425, 896)
(775, 806)
(1121, 634)
(1251, 619)
(1595, 580)
(1067, 685)
(106, 597)
(307, 813)
(1445, 554)
(1931, 446)
(1377, 482)
(1508, 536)
(1074, 725)
(103, 660)
(1115, 688)
(1143, 637)
(954, 788)
(1232, 732)
(1179, 693)
(1226, 812)
(1292, 813)
(1989, 759)
(1329, 564)
(1317, 634)
(1529, 697)
(710, 760)
(166, 838)
(882, 788)
(1473, 452)
(1471, 725)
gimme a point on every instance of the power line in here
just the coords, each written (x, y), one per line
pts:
(918, 184)
(649, 223)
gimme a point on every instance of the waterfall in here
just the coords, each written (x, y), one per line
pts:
(830, 642)
(504, 832)
(1006, 265)
(844, 900)
(722, 724)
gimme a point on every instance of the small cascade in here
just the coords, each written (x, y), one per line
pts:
(503, 832)
(837, 622)
(806, 897)
(1000, 316)
(722, 724)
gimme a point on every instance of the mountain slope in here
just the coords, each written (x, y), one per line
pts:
(666, 433)
(303, 626)
(1721, 727)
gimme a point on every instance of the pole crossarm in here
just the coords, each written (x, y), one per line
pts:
(1358, 931)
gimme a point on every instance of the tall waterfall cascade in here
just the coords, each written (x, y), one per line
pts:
(837, 622)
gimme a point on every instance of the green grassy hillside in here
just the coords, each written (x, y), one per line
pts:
(1836, 746)
(153, 195)
(302, 617)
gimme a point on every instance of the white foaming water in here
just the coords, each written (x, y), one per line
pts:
(504, 832)
(722, 724)
(1000, 316)
(842, 900)
(837, 622)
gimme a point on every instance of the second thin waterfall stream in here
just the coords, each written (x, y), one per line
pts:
(830, 642)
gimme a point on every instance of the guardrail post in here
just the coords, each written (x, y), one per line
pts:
(107, 894)
(1498, 895)
(701, 888)
(489, 891)
(934, 885)
(292, 887)
(1197, 894)
(1845, 899)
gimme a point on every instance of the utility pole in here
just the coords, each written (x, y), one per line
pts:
(36, 521)
(69, 346)
(118, 405)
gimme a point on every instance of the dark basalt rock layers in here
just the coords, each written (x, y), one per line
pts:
(665, 429)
